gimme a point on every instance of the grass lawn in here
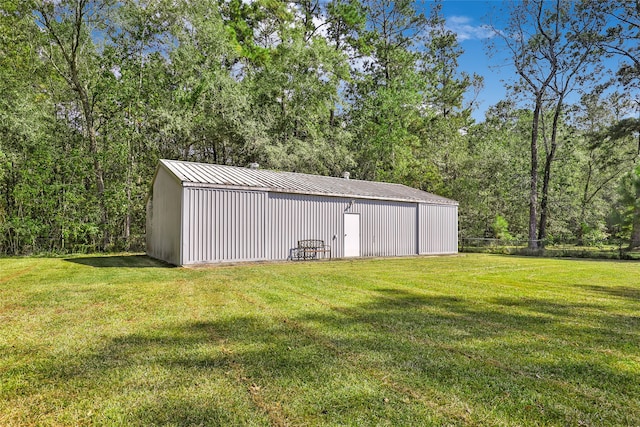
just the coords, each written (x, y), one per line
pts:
(467, 340)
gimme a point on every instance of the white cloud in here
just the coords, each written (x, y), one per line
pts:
(464, 28)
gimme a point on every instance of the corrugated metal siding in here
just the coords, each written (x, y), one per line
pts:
(163, 218)
(293, 217)
(438, 229)
(223, 225)
(386, 228)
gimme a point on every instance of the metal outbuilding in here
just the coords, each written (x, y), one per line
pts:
(203, 213)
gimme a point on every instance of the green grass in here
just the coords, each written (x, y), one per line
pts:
(467, 340)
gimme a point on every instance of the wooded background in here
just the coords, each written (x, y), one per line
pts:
(95, 92)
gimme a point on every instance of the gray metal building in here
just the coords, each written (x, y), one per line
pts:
(203, 213)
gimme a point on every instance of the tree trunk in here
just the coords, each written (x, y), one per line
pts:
(583, 206)
(551, 154)
(533, 195)
(127, 218)
(544, 201)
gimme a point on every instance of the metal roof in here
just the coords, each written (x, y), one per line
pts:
(220, 176)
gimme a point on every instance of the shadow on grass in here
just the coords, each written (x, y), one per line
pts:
(513, 362)
(616, 291)
(541, 306)
(120, 261)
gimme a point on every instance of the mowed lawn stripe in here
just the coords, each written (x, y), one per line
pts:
(444, 406)
(107, 353)
(520, 371)
(514, 368)
(411, 405)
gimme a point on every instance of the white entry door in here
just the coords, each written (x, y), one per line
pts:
(351, 235)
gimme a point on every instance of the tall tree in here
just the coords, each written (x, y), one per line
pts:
(553, 46)
(605, 151)
(386, 96)
(495, 172)
(139, 32)
(69, 26)
(34, 178)
(446, 115)
(295, 93)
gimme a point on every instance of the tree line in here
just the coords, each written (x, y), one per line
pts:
(96, 91)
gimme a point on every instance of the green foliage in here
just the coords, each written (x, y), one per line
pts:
(626, 214)
(493, 179)
(593, 236)
(501, 228)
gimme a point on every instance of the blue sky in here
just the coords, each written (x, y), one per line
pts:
(468, 19)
